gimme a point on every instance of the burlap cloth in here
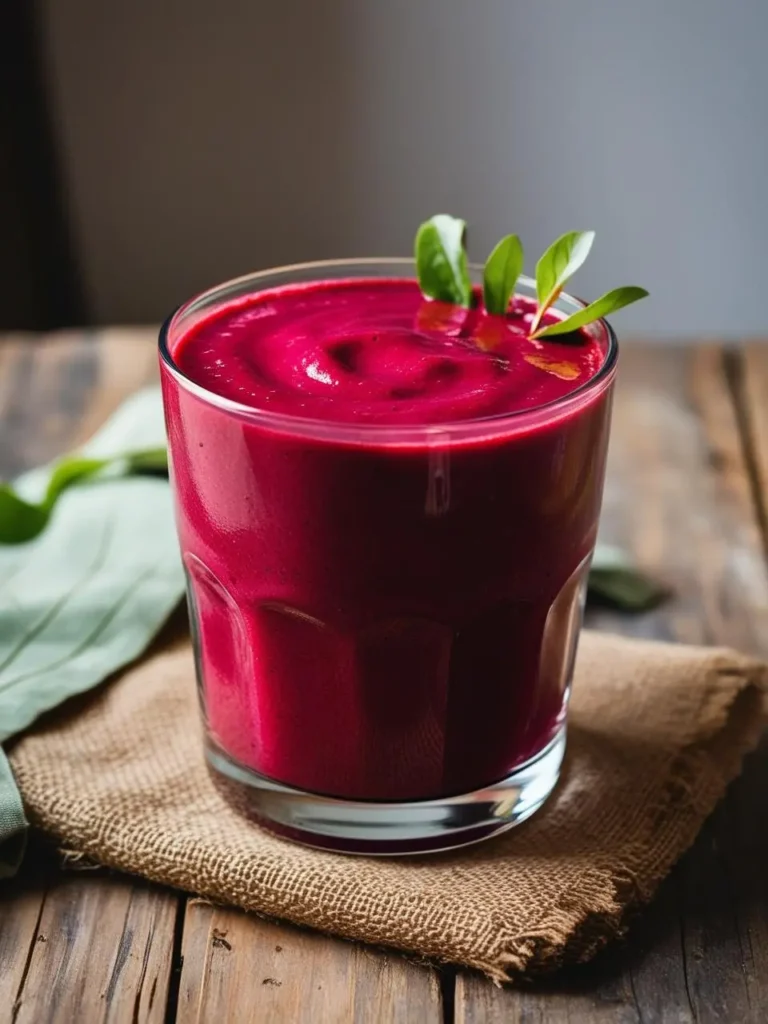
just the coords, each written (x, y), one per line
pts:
(656, 733)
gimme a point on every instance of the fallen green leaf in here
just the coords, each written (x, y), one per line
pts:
(615, 582)
(19, 520)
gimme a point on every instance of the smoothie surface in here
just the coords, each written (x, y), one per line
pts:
(374, 350)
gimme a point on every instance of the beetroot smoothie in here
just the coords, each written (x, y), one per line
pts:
(386, 509)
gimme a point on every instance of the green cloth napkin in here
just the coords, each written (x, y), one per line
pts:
(87, 595)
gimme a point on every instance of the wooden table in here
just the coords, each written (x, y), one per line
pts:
(688, 494)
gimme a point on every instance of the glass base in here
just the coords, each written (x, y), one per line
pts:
(389, 829)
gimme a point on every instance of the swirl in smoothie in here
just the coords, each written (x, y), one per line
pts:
(374, 351)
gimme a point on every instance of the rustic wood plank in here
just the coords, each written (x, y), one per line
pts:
(127, 360)
(710, 542)
(752, 395)
(21, 900)
(16, 368)
(102, 952)
(679, 497)
(237, 966)
(57, 389)
(21, 907)
(743, 842)
(79, 946)
(47, 384)
(19, 916)
(478, 1002)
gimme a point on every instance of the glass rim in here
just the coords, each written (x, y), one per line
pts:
(394, 433)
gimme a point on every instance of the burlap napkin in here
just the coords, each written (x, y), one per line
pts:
(656, 733)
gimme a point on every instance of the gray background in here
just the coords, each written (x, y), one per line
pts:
(201, 140)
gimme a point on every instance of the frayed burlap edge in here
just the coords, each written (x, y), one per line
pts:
(735, 716)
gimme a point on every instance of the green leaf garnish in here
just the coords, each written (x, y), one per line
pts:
(502, 269)
(559, 263)
(441, 260)
(441, 263)
(608, 303)
(22, 520)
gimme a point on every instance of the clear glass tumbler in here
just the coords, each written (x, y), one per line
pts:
(385, 618)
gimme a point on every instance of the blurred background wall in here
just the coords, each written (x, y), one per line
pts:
(199, 140)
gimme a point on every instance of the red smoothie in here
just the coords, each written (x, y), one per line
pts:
(386, 509)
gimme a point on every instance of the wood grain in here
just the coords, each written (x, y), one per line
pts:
(233, 961)
(610, 1002)
(127, 361)
(680, 498)
(752, 398)
(741, 837)
(102, 952)
(19, 915)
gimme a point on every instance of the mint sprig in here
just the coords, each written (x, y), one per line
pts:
(441, 260)
(502, 269)
(441, 265)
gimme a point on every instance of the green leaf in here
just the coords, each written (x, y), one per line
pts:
(151, 460)
(441, 260)
(615, 582)
(559, 263)
(22, 520)
(502, 269)
(608, 303)
(625, 590)
(70, 470)
(19, 520)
